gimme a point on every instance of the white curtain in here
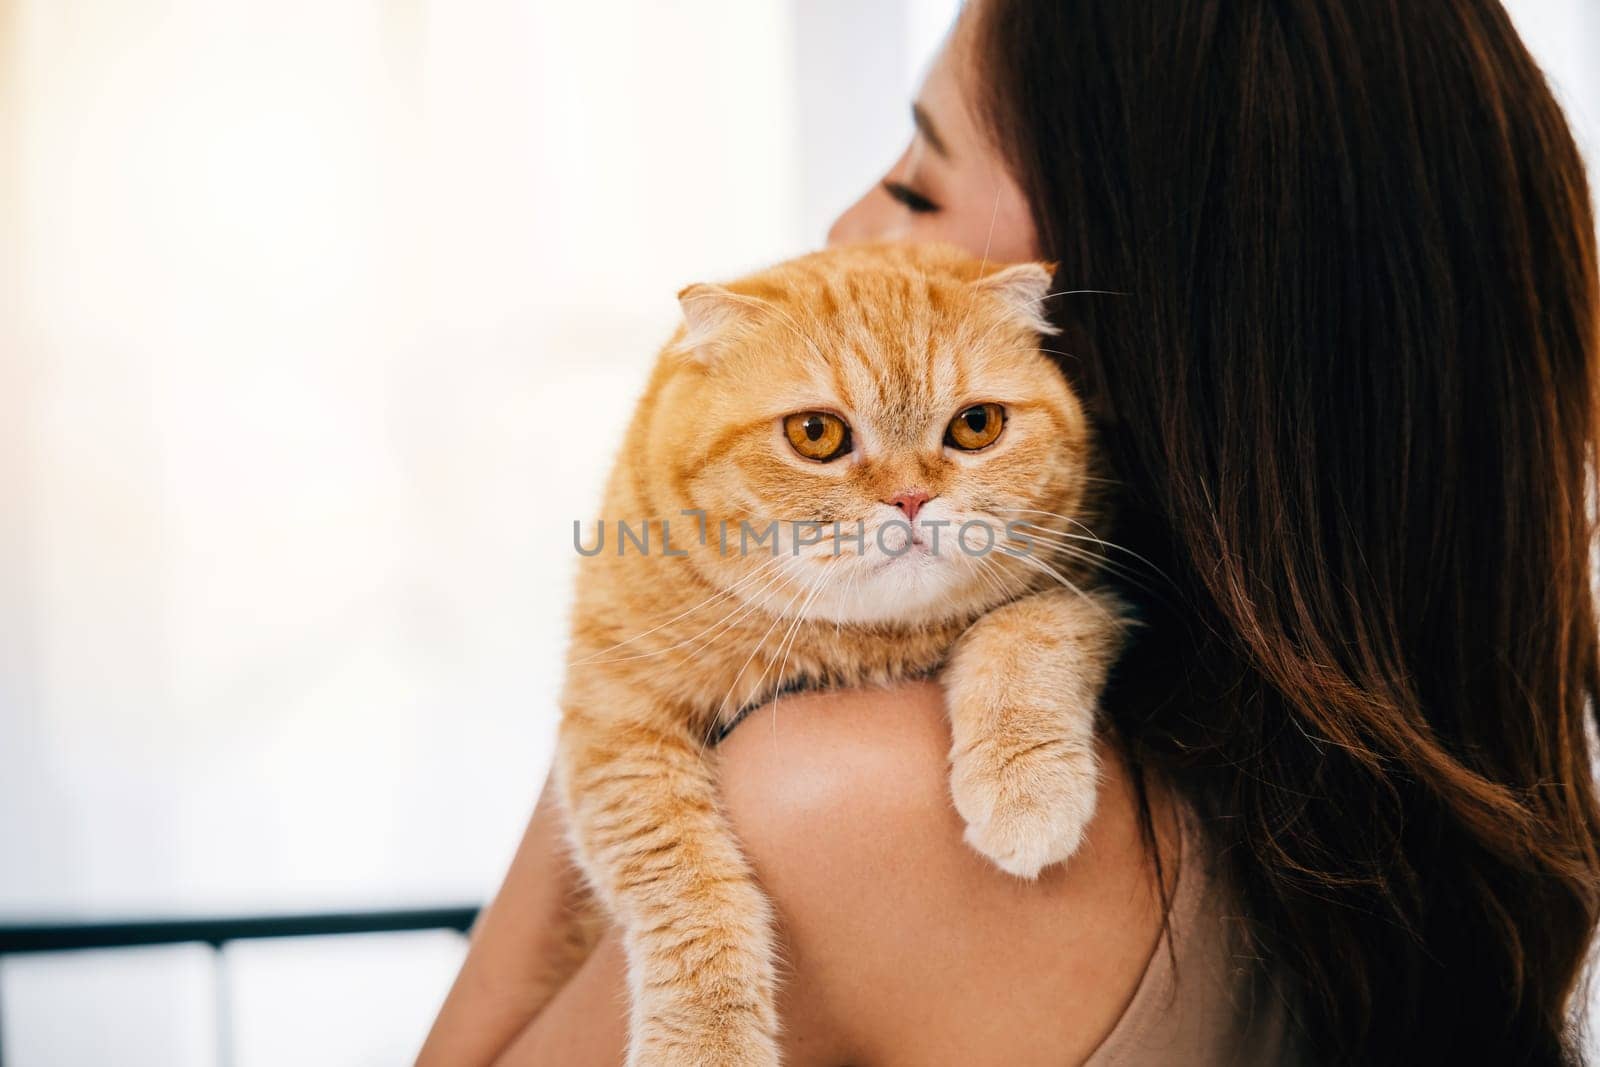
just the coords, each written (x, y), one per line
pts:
(329, 316)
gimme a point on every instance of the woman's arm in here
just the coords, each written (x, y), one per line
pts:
(901, 944)
(525, 946)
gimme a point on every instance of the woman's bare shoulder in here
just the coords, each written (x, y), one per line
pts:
(902, 944)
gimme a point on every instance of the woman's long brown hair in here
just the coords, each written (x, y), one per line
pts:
(1350, 391)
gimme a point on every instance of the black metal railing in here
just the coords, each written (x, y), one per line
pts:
(31, 937)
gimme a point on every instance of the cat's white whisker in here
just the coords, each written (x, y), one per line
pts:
(731, 590)
(1100, 563)
(1084, 292)
(1089, 534)
(777, 618)
(1042, 348)
(799, 620)
(767, 594)
(718, 718)
(749, 608)
(985, 571)
(719, 594)
(849, 590)
(806, 591)
(1045, 568)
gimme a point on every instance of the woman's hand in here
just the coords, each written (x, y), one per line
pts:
(525, 946)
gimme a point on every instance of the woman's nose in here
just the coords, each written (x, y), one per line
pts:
(865, 220)
(846, 227)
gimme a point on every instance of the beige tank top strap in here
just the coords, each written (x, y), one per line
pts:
(1201, 1003)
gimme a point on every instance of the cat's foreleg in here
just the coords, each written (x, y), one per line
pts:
(650, 834)
(1022, 687)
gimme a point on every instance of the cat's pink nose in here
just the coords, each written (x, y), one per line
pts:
(910, 502)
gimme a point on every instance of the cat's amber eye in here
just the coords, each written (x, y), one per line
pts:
(976, 427)
(818, 435)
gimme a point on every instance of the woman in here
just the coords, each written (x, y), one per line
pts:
(1345, 373)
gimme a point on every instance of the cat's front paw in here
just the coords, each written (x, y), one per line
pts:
(1026, 806)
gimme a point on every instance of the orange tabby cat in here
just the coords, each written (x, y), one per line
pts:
(900, 393)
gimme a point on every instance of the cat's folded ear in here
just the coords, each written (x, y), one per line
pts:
(713, 317)
(1022, 289)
